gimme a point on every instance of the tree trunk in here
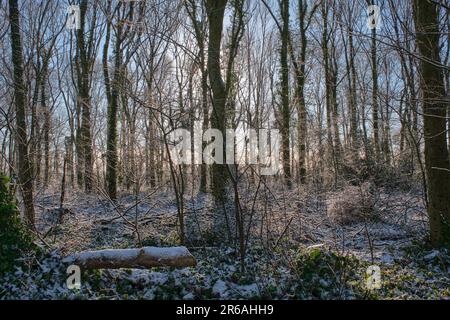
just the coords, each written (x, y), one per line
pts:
(352, 97)
(434, 111)
(25, 173)
(112, 95)
(375, 116)
(198, 25)
(330, 92)
(47, 122)
(285, 109)
(302, 126)
(216, 10)
(300, 74)
(84, 75)
(147, 257)
(335, 109)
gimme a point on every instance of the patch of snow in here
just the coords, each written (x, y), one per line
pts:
(188, 296)
(315, 246)
(168, 252)
(248, 291)
(139, 276)
(431, 255)
(386, 258)
(149, 294)
(107, 254)
(159, 278)
(219, 289)
(324, 283)
(128, 254)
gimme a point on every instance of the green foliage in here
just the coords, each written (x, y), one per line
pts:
(169, 240)
(326, 272)
(14, 237)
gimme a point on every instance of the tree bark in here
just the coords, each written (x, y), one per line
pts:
(84, 77)
(375, 112)
(112, 94)
(216, 10)
(285, 109)
(434, 113)
(25, 173)
(350, 56)
(198, 25)
(330, 70)
(147, 257)
(47, 120)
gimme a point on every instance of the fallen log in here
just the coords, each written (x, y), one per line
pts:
(142, 258)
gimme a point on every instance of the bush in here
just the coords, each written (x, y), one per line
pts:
(324, 274)
(15, 239)
(362, 170)
(353, 204)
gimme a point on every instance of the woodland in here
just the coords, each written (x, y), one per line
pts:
(334, 116)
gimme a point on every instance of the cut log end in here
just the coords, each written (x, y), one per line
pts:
(141, 258)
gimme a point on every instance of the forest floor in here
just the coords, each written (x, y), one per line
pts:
(295, 251)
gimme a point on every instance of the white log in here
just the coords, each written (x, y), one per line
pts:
(141, 258)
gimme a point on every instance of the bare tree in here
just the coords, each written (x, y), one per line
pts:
(434, 113)
(25, 172)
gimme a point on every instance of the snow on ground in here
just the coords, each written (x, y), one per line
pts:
(295, 250)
